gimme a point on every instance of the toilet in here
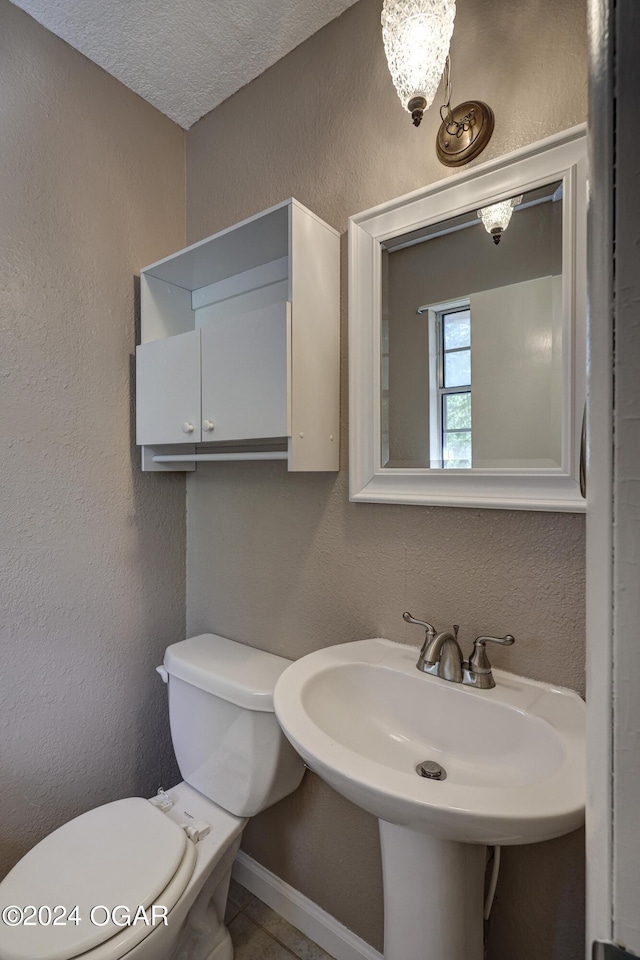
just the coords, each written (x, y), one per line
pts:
(149, 878)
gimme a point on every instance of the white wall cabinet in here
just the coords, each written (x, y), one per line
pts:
(239, 356)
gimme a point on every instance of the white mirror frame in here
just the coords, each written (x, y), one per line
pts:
(560, 157)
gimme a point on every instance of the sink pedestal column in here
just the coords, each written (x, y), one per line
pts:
(433, 896)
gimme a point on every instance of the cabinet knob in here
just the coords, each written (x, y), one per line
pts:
(208, 425)
(187, 427)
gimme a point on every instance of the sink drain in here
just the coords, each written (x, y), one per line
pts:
(431, 770)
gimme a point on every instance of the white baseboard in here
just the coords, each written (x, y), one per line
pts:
(307, 916)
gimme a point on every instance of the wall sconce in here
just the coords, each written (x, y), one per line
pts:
(416, 36)
(496, 217)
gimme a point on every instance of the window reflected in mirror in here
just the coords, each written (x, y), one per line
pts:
(472, 340)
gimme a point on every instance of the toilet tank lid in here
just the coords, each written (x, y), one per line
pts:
(228, 669)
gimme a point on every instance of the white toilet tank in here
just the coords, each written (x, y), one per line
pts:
(227, 740)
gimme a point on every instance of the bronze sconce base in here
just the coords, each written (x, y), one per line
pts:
(464, 133)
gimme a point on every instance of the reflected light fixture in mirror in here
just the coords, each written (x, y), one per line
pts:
(496, 218)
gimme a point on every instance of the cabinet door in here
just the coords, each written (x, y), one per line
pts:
(168, 390)
(245, 375)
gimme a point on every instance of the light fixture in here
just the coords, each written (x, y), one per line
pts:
(497, 216)
(416, 36)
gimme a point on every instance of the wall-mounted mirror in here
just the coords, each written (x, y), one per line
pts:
(467, 337)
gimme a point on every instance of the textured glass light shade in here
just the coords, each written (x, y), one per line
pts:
(416, 36)
(496, 217)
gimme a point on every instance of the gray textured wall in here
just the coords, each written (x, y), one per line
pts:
(92, 563)
(284, 561)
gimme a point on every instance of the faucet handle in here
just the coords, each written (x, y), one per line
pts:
(507, 641)
(479, 661)
(420, 623)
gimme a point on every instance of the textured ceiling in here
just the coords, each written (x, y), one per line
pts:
(184, 56)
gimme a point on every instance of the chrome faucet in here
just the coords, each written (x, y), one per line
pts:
(441, 656)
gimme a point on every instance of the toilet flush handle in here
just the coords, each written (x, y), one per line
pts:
(162, 670)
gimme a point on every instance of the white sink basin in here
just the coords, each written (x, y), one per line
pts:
(362, 717)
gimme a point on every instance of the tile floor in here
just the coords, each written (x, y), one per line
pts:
(258, 933)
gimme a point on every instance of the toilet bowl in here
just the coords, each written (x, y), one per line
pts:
(148, 879)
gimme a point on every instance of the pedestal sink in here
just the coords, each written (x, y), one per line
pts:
(364, 719)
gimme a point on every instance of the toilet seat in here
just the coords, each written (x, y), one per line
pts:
(122, 943)
(124, 853)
